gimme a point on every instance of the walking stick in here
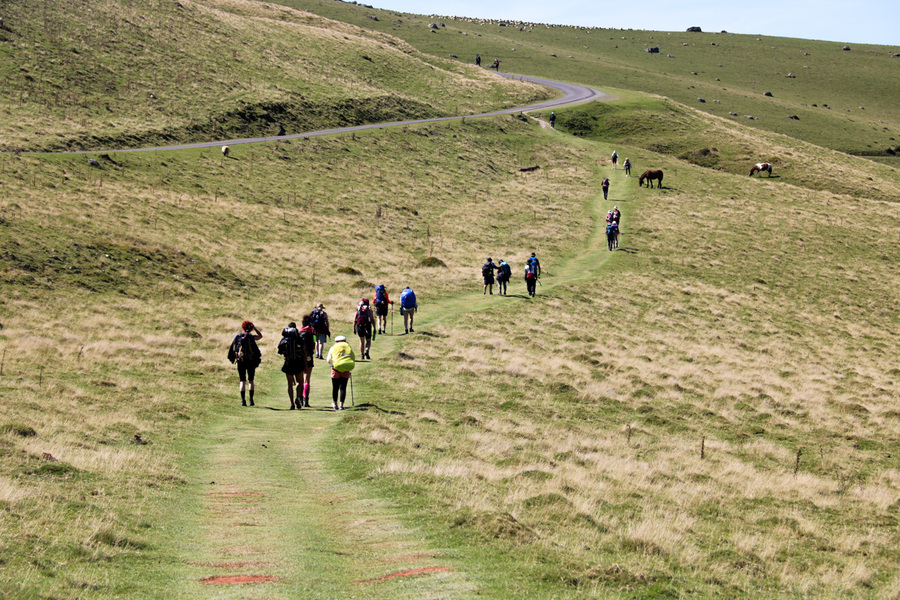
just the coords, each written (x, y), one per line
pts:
(352, 401)
(392, 320)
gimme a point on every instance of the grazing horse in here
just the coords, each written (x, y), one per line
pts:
(760, 167)
(650, 176)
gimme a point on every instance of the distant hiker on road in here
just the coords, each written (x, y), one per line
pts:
(292, 349)
(504, 274)
(553, 120)
(627, 165)
(477, 60)
(308, 339)
(245, 353)
(408, 308)
(487, 272)
(363, 322)
(342, 361)
(605, 185)
(496, 64)
(380, 300)
(323, 328)
(615, 158)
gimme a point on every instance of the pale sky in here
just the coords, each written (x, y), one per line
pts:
(851, 21)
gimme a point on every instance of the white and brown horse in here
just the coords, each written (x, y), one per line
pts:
(650, 175)
(760, 167)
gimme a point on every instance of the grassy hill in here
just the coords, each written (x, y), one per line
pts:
(840, 97)
(124, 75)
(709, 411)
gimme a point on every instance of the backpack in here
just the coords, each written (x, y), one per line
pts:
(243, 349)
(380, 294)
(363, 317)
(506, 270)
(290, 346)
(487, 269)
(408, 299)
(605, 182)
(318, 321)
(529, 271)
(342, 357)
(308, 341)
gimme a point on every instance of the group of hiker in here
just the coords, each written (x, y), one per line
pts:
(301, 345)
(504, 274)
(612, 227)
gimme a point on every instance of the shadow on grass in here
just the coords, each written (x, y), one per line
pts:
(370, 406)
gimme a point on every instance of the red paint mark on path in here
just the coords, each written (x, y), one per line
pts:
(406, 573)
(235, 579)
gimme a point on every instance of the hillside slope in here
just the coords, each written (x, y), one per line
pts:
(113, 74)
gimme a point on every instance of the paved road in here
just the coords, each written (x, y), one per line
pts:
(572, 94)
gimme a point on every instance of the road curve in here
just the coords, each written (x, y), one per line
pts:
(572, 94)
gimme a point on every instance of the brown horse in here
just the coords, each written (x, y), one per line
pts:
(650, 176)
(760, 167)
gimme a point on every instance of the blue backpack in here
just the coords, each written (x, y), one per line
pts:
(408, 298)
(380, 294)
(318, 321)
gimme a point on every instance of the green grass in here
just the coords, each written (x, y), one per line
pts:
(546, 448)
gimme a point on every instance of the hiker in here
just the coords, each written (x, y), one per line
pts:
(615, 158)
(291, 347)
(616, 215)
(245, 353)
(477, 60)
(308, 339)
(322, 327)
(533, 260)
(342, 361)
(612, 232)
(496, 64)
(553, 119)
(487, 272)
(408, 308)
(362, 326)
(627, 165)
(380, 300)
(530, 279)
(609, 217)
(504, 273)
(605, 185)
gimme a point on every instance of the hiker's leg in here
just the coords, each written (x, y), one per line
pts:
(335, 386)
(342, 384)
(251, 375)
(307, 380)
(242, 374)
(412, 313)
(290, 389)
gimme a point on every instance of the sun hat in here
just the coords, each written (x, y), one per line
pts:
(340, 338)
(320, 306)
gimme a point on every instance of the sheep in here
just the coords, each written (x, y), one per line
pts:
(225, 150)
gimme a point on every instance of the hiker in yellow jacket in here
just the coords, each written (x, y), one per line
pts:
(342, 361)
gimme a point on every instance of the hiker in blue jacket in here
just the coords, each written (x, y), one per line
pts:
(408, 308)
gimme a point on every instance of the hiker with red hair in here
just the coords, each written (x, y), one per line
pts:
(245, 353)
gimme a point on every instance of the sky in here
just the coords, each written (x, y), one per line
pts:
(859, 21)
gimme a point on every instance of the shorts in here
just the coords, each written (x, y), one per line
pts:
(246, 371)
(407, 310)
(322, 337)
(293, 366)
(381, 310)
(488, 280)
(364, 331)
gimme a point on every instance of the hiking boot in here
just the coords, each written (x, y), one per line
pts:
(251, 403)
(292, 405)
(333, 406)
(306, 402)
(368, 357)
(407, 330)
(243, 403)
(411, 330)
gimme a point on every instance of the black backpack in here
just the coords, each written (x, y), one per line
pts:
(291, 346)
(318, 321)
(487, 269)
(243, 349)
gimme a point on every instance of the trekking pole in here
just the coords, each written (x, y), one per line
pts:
(352, 401)
(392, 320)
